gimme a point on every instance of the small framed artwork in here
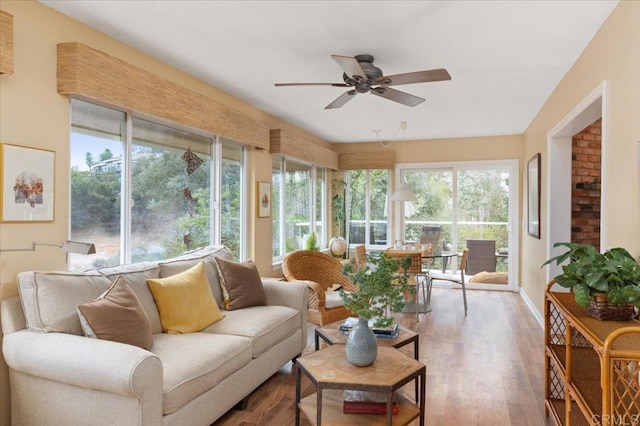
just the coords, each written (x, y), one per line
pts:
(264, 199)
(26, 184)
(533, 196)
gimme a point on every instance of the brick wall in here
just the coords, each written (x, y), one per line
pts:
(585, 185)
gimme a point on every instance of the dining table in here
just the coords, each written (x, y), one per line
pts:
(445, 256)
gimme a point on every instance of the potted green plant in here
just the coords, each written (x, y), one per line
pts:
(591, 275)
(379, 290)
(311, 243)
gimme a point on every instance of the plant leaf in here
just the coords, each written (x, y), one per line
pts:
(582, 294)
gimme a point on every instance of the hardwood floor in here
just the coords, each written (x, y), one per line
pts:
(485, 369)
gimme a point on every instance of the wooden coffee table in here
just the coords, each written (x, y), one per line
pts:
(332, 335)
(331, 373)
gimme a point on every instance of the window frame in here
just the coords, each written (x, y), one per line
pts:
(215, 184)
(368, 222)
(280, 203)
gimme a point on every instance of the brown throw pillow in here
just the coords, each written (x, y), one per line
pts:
(117, 315)
(241, 284)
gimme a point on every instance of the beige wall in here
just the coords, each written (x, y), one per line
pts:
(613, 55)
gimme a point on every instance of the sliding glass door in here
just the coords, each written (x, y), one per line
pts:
(466, 205)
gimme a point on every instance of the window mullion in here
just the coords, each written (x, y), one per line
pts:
(312, 201)
(214, 199)
(244, 206)
(283, 207)
(367, 209)
(127, 201)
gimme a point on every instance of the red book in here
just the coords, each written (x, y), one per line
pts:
(363, 402)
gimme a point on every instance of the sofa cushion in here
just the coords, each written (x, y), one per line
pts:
(241, 284)
(194, 363)
(185, 301)
(50, 299)
(266, 326)
(136, 276)
(187, 260)
(117, 315)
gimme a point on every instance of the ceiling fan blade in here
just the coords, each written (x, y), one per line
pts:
(397, 96)
(342, 99)
(311, 84)
(350, 66)
(439, 74)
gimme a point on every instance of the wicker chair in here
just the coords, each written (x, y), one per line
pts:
(320, 271)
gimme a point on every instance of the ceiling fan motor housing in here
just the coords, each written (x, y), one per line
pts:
(371, 72)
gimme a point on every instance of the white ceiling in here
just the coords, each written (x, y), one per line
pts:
(505, 57)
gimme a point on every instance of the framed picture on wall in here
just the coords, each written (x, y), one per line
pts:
(533, 196)
(264, 199)
(26, 184)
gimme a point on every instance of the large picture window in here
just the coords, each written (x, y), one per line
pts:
(146, 191)
(299, 196)
(367, 207)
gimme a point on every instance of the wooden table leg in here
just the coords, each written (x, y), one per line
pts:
(422, 396)
(298, 377)
(319, 406)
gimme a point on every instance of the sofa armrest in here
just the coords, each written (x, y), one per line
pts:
(293, 294)
(89, 363)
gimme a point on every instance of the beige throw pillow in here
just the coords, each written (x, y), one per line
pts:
(241, 284)
(185, 301)
(117, 315)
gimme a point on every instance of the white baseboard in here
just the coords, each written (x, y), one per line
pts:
(536, 314)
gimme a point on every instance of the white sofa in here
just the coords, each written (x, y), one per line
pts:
(64, 378)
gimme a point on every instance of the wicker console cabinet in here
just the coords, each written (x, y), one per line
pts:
(592, 367)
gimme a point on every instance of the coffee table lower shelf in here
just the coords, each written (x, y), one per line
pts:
(332, 411)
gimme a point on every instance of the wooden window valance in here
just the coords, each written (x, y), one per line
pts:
(297, 146)
(368, 160)
(6, 43)
(91, 74)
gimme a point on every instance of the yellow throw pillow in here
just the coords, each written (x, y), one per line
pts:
(185, 301)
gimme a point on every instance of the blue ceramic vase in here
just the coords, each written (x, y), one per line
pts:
(362, 346)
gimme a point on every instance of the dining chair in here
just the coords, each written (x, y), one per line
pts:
(415, 270)
(431, 235)
(361, 256)
(483, 256)
(453, 278)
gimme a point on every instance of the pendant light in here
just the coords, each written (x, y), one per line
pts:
(403, 192)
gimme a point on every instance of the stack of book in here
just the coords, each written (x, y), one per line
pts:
(364, 402)
(390, 331)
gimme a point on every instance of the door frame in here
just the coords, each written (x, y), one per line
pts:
(558, 197)
(514, 209)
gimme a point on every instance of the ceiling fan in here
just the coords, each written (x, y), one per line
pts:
(362, 76)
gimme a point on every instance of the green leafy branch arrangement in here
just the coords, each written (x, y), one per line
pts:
(379, 288)
(614, 272)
